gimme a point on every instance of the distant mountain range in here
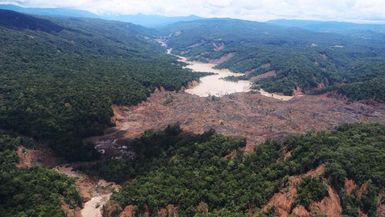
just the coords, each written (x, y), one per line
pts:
(61, 75)
(139, 19)
(155, 21)
(328, 26)
(14, 20)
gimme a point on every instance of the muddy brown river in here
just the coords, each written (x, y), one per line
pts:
(216, 85)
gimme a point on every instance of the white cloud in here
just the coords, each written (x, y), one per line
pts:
(352, 10)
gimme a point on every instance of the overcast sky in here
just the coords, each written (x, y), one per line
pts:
(343, 10)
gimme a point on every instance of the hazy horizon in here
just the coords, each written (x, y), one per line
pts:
(357, 11)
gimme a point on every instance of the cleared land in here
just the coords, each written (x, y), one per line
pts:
(248, 115)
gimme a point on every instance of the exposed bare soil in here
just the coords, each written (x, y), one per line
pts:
(248, 115)
(76, 212)
(33, 157)
(222, 59)
(350, 185)
(93, 191)
(282, 201)
(330, 206)
(268, 74)
(129, 211)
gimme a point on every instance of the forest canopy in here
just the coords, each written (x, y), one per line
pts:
(226, 179)
(32, 191)
(300, 59)
(58, 86)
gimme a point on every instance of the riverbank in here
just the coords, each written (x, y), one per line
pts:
(214, 85)
(217, 85)
(94, 192)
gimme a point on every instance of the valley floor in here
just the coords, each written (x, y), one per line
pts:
(256, 116)
(250, 115)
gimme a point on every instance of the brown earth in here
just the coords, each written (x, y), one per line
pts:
(33, 157)
(381, 204)
(248, 115)
(362, 190)
(329, 206)
(112, 207)
(283, 201)
(381, 210)
(45, 157)
(71, 212)
(301, 211)
(86, 185)
(268, 74)
(169, 211)
(298, 92)
(222, 59)
(350, 185)
(88, 188)
(129, 211)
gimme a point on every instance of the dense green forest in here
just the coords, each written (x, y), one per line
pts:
(187, 170)
(300, 58)
(32, 192)
(59, 77)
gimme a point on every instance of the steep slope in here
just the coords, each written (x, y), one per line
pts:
(31, 191)
(297, 59)
(59, 86)
(207, 175)
(11, 19)
(48, 11)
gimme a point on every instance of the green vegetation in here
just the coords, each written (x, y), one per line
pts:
(60, 76)
(58, 86)
(34, 192)
(187, 170)
(301, 58)
(371, 89)
(365, 80)
(310, 190)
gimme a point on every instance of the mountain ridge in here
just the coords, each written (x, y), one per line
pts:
(139, 19)
(328, 26)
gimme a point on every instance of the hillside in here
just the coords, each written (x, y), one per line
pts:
(338, 172)
(58, 87)
(328, 26)
(31, 191)
(97, 120)
(11, 19)
(152, 21)
(280, 59)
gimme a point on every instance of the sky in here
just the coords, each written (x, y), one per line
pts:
(258, 10)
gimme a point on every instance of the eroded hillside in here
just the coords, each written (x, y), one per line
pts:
(248, 115)
(331, 173)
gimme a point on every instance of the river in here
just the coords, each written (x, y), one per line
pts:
(93, 207)
(216, 85)
(99, 191)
